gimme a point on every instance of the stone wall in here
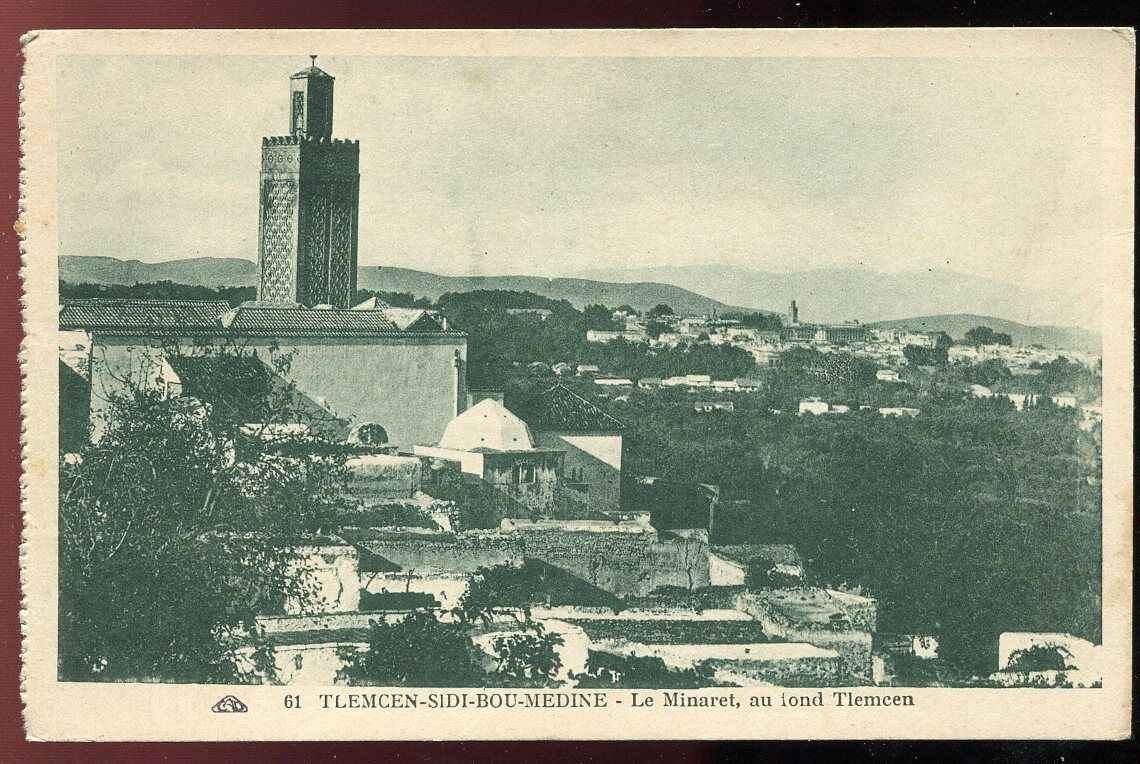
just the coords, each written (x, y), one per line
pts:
(673, 631)
(448, 552)
(827, 671)
(620, 563)
(382, 476)
(447, 588)
(848, 639)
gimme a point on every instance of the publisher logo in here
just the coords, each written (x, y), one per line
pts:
(229, 705)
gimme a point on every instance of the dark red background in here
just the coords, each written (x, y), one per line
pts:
(19, 16)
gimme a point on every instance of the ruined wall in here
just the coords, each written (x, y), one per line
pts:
(620, 563)
(851, 642)
(447, 588)
(672, 631)
(863, 611)
(448, 552)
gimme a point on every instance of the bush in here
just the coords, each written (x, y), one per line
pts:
(419, 650)
(1047, 657)
(609, 671)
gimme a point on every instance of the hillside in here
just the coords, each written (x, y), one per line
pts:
(822, 295)
(578, 292)
(846, 293)
(957, 324)
(199, 271)
(215, 272)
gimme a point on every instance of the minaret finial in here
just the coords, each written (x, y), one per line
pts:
(313, 59)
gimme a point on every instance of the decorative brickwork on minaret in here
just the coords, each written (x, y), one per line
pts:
(310, 187)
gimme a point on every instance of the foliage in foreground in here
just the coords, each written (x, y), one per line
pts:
(421, 650)
(171, 544)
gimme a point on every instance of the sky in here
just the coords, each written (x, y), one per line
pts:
(555, 166)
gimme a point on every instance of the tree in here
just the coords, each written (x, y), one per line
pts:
(528, 658)
(660, 310)
(159, 290)
(654, 329)
(762, 321)
(176, 532)
(418, 650)
(989, 372)
(984, 335)
(599, 318)
(917, 355)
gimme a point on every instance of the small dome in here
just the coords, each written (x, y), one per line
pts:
(488, 424)
(368, 434)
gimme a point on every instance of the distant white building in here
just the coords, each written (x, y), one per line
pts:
(981, 391)
(887, 375)
(898, 411)
(916, 338)
(813, 406)
(596, 335)
(586, 368)
(614, 381)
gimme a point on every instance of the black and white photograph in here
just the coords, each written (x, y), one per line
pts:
(552, 378)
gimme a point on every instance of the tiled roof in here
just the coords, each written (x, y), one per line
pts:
(197, 318)
(559, 409)
(257, 319)
(153, 314)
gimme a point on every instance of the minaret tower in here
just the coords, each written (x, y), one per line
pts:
(310, 190)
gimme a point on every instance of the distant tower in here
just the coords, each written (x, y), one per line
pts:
(310, 190)
(793, 313)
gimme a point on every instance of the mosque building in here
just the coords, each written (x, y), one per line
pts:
(399, 370)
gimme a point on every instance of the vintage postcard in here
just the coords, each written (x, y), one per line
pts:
(578, 384)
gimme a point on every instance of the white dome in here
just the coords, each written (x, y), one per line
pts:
(487, 424)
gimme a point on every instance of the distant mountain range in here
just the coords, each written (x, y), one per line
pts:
(216, 271)
(958, 302)
(201, 271)
(843, 294)
(957, 324)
